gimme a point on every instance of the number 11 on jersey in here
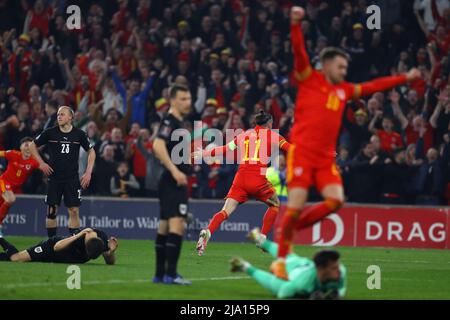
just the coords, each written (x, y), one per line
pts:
(247, 151)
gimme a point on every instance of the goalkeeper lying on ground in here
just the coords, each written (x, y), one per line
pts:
(321, 278)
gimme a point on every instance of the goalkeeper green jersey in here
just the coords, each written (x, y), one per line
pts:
(302, 272)
(303, 279)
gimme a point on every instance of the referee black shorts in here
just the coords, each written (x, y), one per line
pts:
(70, 189)
(173, 199)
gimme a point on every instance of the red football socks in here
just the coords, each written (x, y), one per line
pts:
(286, 231)
(218, 218)
(269, 219)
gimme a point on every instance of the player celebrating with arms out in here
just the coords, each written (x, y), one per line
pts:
(20, 167)
(311, 160)
(254, 148)
(64, 141)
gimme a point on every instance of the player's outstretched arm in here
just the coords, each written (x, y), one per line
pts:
(302, 67)
(296, 286)
(384, 83)
(218, 151)
(280, 288)
(287, 290)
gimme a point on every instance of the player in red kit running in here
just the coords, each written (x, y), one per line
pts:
(320, 103)
(20, 167)
(254, 147)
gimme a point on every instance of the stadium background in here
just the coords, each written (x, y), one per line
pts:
(235, 56)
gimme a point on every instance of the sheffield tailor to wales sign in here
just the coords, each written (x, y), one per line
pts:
(354, 225)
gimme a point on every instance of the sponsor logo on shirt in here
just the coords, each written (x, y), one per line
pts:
(341, 94)
(298, 171)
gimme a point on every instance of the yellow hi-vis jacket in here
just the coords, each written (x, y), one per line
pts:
(278, 181)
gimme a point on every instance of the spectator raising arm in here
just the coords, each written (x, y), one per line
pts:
(139, 101)
(140, 146)
(123, 123)
(148, 86)
(120, 87)
(378, 115)
(394, 96)
(435, 116)
(201, 98)
(421, 23)
(443, 101)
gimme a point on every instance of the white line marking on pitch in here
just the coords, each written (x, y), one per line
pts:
(394, 261)
(113, 281)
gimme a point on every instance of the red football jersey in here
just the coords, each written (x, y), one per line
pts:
(139, 161)
(318, 115)
(252, 149)
(412, 136)
(18, 169)
(389, 141)
(320, 103)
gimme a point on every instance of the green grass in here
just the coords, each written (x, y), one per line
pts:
(405, 274)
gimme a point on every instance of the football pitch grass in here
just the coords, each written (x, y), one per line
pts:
(405, 274)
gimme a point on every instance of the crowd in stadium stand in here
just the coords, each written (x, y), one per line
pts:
(235, 56)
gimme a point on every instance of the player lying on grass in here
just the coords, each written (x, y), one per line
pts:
(255, 147)
(321, 278)
(20, 166)
(87, 244)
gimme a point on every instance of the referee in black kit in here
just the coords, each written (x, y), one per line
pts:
(64, 141)
(173, 192)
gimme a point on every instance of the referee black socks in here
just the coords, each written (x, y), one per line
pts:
(160, 249)
(51, 232)
(173, 248)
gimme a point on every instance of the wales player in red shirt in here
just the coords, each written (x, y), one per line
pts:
(320, 103)
(254, 149)
(20, 167)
